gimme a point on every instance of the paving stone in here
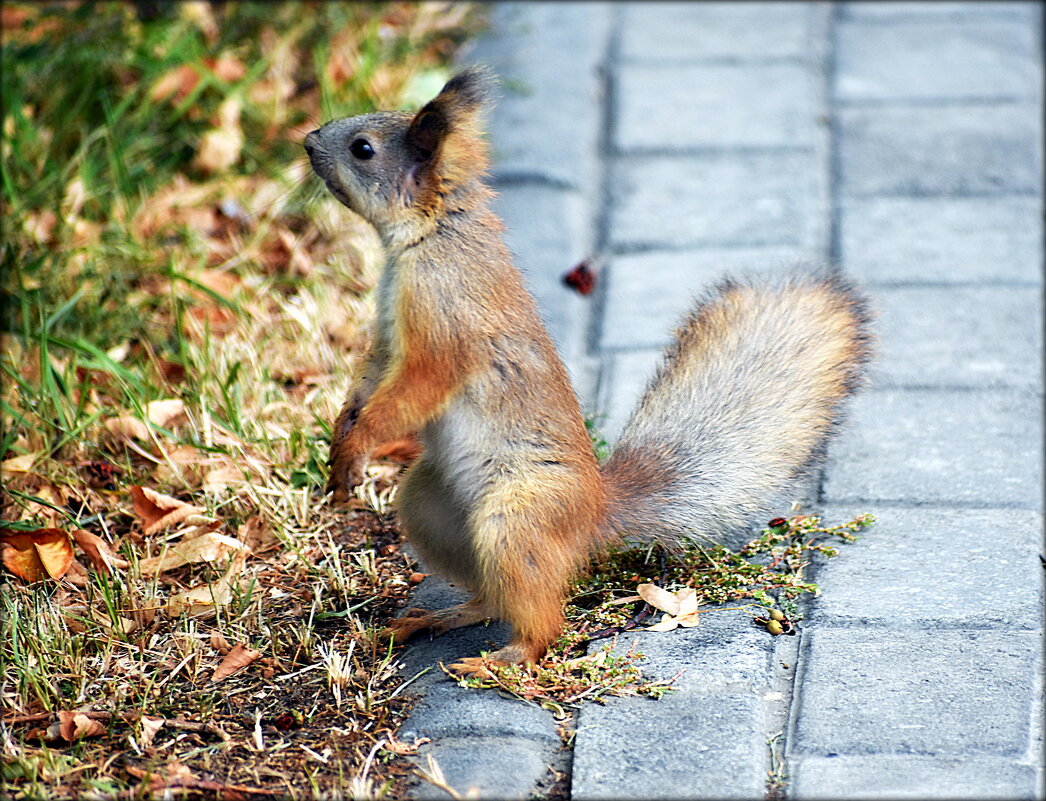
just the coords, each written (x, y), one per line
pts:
(895, 777)
(933, 239)
(887, 10)
(647, 294)
(682, 746)
(948, 150)
(958, 337)
(926, 566)
(500, 767)
(918, 692)
(930, 60)
(726, 652)
(734, 199)
(548, 57)
(939, 446)
(447, 710)
(696, 105)
(690, 31)
(624, 377)
(547, 230)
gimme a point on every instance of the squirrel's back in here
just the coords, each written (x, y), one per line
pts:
(741, 405)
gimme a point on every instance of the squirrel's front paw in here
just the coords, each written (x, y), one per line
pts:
(345, 474)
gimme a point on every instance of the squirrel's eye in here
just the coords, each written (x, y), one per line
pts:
(361, 149)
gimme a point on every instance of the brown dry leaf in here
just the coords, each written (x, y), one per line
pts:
(219, 643)
(99, 551)
(179, 82)
(221, 477)
(220, 147)
(681, 606)
(17, 464)
(75, 725)
(210, 547)
(227, 67)
(158, 511)
(237, 659)
(396, 747)
(257, 535)
(36, 555)
(201, 601)
(150, 726)
(128, 426)
(165, 412)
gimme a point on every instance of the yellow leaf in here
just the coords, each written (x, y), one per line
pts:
(36, 555)
(164, 412)
(201, 601)
(17, 464)
(209, 547)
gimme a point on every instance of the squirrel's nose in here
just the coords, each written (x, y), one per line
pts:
(310, 141)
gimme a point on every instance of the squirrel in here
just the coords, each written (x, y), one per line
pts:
(507, 497)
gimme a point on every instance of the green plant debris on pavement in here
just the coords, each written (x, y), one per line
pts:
(768, 573)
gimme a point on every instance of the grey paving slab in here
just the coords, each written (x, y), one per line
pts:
(876, 690)
(938, 59)
(622, 381)
(547, 230)
(939, 446)
(889, 10)
(942, 240)
(447, 710)
(647, 294)
(926, 566)
(895, 777)
(498, 767)
(682, 746)
(945, 150)
(731, 198)
(725, 652)
(958, 337)
(690, 31)
(547, 56)
(696, 105)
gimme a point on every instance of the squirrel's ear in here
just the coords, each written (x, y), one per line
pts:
(445, 136)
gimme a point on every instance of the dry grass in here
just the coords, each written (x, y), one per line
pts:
(183, 312)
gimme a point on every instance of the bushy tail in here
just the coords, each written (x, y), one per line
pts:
(742, 404)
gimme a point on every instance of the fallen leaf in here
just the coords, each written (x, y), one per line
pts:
(201, 601)
(164, 412)
(179, 82)
(98, 551)
(257, 535)
(681, 607)
(76, 725)
(582, 279)
(219, 643)
(36, 555)
(150, 726)
(17, 464)
(237, 659)
(158, 511)
(128, 426)
(209, 547)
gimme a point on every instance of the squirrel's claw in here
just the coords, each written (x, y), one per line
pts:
(475, 666)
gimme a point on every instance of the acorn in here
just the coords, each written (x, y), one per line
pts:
(774, 627)
(777, 614)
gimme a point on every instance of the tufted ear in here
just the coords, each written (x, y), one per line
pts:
(444, 138)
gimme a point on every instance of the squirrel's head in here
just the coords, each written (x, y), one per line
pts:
(401, 171)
